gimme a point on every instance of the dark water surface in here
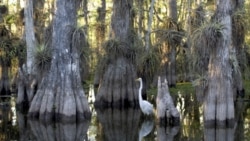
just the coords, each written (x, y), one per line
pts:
(122, 125)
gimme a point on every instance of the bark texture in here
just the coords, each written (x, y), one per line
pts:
(117, 88)
(117, 85)
(26, 84)
(150, 18)
(100, 35)
(171, 64)
(60, 96)
(167, 114)
(30, 35)
(218, 105)
(200, 64)
(168, 64)
(26, 74)
(121, 19)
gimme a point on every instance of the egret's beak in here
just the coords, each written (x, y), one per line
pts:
(137, 79)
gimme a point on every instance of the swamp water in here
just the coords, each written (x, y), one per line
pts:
(122, 125)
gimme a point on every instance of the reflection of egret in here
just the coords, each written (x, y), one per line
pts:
(146, 128)
(146, 107)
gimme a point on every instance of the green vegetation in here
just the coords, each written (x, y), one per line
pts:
(239, 28)
(164, 31)
(185, 88)
(149, 62)
(207, 35)
(247, 88)
(182, 88)
(42, 57)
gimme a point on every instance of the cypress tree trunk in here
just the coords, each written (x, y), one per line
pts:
(117, 87)
(140, 17)
(167, 114)
(201, 67)
(218, 105)
(100, 35)
(168, 68)
(30, 36)
(150, 18)
(60, 95)
(171, 72)
(27, 80)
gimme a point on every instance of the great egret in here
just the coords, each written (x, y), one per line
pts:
(146, 107)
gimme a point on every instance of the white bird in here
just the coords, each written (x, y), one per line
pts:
(146, 107)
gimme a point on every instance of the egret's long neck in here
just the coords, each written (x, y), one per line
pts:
(140, 89)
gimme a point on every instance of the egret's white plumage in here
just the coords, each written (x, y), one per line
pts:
(146, 107)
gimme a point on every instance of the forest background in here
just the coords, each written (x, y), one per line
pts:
(94, 19)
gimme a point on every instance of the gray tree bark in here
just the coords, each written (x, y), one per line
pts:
(100, 35)
(30, 36)
(150, 18)
(168, 67)
(117, 86)
(171, 71)
(60, 96)
(167, 114)
(27, 78)
(201, 68)
(140, 18)
(218, 105)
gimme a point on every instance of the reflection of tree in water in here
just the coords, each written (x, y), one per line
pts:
(220, 134)
(242, 110)
(247, 121)
(191, 112)
(23, 127)
(167, 133)
(119, 124)
(59, 131)
(8, 130)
